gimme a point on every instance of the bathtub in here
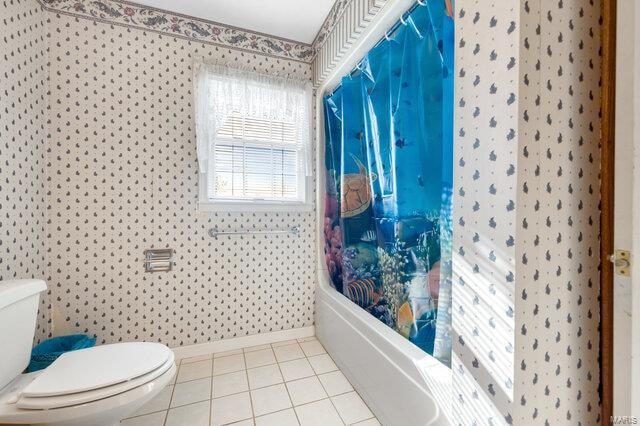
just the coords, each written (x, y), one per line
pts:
(401, 384)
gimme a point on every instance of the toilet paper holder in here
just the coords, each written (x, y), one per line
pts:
(158, 260)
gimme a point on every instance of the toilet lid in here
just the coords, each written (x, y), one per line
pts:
(61, 401)
(98, 367)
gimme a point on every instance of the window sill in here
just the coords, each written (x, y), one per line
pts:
(255, 206)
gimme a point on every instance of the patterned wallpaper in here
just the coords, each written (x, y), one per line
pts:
(123, 178)
(529, 361)
(527, 164)
(558, 231)
(484, 210)
(119, 12)
(23, 104)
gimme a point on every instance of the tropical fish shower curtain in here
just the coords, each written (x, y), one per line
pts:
(388, 159)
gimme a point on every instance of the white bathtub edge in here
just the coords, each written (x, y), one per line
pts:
(412, 387)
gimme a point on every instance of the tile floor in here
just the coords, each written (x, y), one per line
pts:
(287, 383)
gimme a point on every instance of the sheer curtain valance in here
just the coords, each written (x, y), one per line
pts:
(222, 90)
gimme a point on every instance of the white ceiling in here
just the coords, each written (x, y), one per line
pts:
(297, 20)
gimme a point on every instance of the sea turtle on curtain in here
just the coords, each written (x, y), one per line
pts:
(356, 191)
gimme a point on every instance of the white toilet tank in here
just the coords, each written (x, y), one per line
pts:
(18, 315)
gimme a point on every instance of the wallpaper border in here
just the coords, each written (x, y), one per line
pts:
(134, 15)
(330, 22)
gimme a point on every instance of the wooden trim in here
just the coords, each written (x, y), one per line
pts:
(607, 204)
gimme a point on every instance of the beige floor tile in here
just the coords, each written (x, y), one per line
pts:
(322, 364)
(194, 370)
(228, 364)
(227, 353)
(260, 357)
(335, 383)
(159, 403)
(306, 390)
(195, 359)
(264, 376)
(319, 413)
(155, 419)
(249, 382)
(270, 399)
(189, 415)
(351, 408)
(370, 422)
(230, 383)
(284, 343)
(281, 418)
(288, 352)
(190, 392)
(257, 348)
(248, 422)
(231, 409)
(312, 348)
(296, 369)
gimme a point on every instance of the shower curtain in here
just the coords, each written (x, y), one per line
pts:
(388, 158)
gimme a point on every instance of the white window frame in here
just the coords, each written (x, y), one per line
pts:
(305, 179)
(254, 204)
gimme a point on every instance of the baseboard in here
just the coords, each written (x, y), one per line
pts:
(242, 342)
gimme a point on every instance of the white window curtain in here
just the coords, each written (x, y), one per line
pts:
(222, 91)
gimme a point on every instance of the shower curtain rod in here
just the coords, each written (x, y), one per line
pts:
(392, 30)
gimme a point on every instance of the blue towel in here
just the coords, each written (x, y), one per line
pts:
(44, 353)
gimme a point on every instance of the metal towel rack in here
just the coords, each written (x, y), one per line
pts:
(294, 231)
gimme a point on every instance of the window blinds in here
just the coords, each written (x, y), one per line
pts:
(256, 159)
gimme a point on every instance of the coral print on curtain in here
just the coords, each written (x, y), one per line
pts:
(389, 178)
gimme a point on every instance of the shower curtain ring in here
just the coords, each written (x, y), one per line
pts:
(402, 20)
(422, 2)
(386, 36)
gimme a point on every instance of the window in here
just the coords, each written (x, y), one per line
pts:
(253, 140)
(255, 159)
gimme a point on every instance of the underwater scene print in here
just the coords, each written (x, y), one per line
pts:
(388, 159)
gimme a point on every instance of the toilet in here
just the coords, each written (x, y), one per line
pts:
(94, 386)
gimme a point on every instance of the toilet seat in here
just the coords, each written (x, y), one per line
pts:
(107, 411)
(92, 374)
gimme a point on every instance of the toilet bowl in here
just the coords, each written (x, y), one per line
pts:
(94, 386)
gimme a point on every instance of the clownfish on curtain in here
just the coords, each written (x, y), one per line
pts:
(388, 159)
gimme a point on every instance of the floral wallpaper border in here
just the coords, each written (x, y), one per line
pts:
(330, 22)
(148, 18)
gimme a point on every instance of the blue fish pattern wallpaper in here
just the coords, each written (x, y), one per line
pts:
(389, 160)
